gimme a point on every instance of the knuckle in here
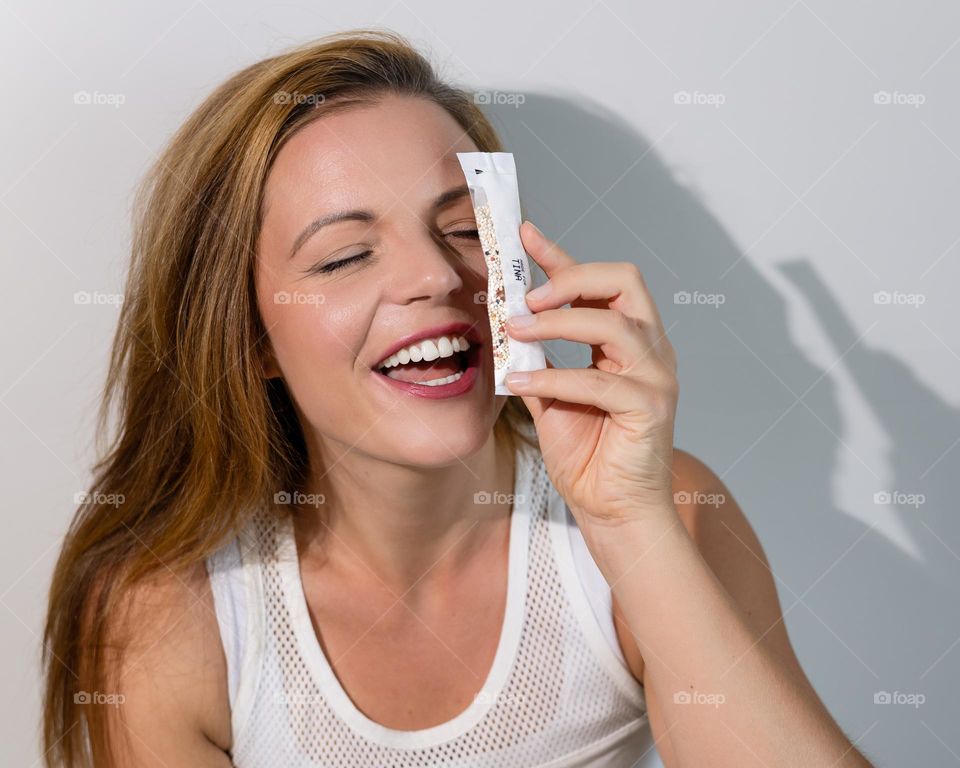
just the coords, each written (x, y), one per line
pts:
(593, 377)
(619, 318)
(632, 275)
(660, 395)
(661, 405)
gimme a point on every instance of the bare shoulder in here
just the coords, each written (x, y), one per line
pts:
(169, 685)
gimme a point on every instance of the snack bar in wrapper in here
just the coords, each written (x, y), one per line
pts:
(492, 179)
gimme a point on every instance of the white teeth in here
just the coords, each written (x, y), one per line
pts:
(427, 349)
(431, 351)
(445, 380)
(432, 383)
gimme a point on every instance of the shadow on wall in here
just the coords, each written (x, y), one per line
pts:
(866, 618)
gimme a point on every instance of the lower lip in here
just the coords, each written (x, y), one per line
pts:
(460, 386)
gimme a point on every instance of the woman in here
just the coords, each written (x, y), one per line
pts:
(319, 559)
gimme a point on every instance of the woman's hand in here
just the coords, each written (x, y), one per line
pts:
(606, 432)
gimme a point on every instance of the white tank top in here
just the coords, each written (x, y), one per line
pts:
(558, 694)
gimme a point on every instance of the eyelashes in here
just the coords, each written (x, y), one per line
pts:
(326, 269)
(334, 266)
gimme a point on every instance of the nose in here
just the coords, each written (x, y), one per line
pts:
(427, 269)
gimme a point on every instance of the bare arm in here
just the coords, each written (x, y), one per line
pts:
(723, 684)
(167, 701)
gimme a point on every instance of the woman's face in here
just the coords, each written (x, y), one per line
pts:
(403, 267)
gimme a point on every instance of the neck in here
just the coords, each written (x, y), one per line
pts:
(408, 526)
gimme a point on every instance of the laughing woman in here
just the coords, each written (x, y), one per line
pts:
(322, 560)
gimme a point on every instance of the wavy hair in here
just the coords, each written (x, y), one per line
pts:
(201, 440)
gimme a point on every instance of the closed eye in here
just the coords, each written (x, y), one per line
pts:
(335, 265)
(466, 234)
(463, 234)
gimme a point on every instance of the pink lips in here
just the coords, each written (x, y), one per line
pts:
(450, 329)
(474, 360)
(461, 385)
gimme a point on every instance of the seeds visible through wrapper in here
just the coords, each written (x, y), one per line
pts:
(492, 180)
(496, 296)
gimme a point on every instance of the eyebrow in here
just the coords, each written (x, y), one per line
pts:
(441, 202)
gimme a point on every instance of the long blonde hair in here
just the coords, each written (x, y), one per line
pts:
(202, 440)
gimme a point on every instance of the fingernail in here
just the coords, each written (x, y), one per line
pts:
(536, 228)
(522, 321)
(517, 378)
(540, 293)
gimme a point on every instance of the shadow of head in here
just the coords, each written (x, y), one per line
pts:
(865, 612)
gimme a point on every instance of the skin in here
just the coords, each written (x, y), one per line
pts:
(722, 683)
(390, 454)
(401, 547)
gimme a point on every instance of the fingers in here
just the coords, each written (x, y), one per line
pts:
(619, 337)
(619, 283)
(550, 257)
(612, 310)
(587, 386)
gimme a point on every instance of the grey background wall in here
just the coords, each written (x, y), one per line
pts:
(786, 175)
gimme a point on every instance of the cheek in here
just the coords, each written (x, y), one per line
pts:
(315, 339)
(316, 352)
(315, 330)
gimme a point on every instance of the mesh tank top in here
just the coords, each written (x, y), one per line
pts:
(556, 694)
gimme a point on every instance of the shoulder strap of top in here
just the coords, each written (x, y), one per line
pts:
(594, 585)
(590, 598)
(229, 598)
(237, 587)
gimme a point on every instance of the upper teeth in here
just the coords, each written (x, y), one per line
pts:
(427, 349)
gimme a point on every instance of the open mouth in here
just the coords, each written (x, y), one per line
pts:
(448, 363)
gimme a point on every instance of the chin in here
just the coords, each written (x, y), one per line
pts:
(426, 444)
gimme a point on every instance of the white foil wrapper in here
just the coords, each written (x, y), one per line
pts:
(492, 179)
